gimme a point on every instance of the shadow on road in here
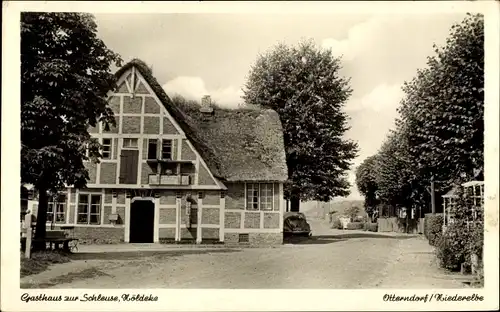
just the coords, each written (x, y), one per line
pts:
(133, 255)
(334, 238)
(366, 235)
(311, 240)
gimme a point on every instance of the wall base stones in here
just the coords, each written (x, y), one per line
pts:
(99, 235)
(255, 239)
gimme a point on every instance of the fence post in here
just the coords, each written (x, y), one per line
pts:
(29, 235)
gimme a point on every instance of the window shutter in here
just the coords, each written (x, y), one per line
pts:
(173, 149)
(123, 167)
(132, 163)
(158, 148)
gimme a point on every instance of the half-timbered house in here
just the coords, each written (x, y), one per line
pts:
(173, 173)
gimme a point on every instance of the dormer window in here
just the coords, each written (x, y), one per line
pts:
(166, 149)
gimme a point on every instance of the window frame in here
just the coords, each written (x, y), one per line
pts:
(105, 148)
(170, 145)
(88, 209)
(150, 141)
(130, 147)
(268, 197)
(258, 199)
(53, 210)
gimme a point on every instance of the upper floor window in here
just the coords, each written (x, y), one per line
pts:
(259, 196)
(131, 143)
(152, 148)
(107, 146)
(89, 209)
(166, 149)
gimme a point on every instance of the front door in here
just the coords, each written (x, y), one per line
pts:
(142, 218)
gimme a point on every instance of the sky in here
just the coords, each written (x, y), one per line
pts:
(197, 54)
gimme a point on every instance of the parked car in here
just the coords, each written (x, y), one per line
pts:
(295, 223)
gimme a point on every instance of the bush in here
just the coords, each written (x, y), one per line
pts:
(433, 228)
(336, 224)
(352, 212)
(363, 219)
(371, 227)
(355, 226)
(451, 248)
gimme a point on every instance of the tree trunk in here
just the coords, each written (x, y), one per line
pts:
(41, 218)
(287, 205)
(295, 204)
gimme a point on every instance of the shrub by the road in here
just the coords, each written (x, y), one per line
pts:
(433, 228)
(355, 225)
(336, 224)
(451, 248)
(371, 227)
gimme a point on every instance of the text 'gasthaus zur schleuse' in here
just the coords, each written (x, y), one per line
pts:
(89, 298)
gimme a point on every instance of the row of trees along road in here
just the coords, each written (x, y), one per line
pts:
(439, 133)
(66, 75)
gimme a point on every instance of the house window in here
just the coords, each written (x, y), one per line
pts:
(166, 149)
(260, 196)
(130, 143)
(152, 148)
(56, 210)
(89, 209)
(266, 196)
(106, 148)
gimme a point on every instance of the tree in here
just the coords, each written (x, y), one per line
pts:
(366, 181)
(302, 83)
(439, 132)
(65, 77)
(394, 175)
(443, 108)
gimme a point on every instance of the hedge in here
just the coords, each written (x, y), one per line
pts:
(355, 225)
(451, 247)
(433, 228)
(371, 227)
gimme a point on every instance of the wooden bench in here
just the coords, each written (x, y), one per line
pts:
(58, 240)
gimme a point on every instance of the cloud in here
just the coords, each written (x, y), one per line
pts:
(194, 88)
(362, 37)
(380, 99)
(372, 115)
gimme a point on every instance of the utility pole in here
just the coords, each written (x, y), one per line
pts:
(433, 197)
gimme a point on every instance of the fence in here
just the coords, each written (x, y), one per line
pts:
(27, 234)
(399, 225)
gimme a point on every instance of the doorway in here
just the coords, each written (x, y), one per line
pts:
(142, 217)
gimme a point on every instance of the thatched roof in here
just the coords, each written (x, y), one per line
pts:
(238, 145)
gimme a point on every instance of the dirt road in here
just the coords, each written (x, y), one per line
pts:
(331, 259)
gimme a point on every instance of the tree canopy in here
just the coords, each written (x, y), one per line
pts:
(302, 83)
(439, 134)
(65, 77)
(366, 182)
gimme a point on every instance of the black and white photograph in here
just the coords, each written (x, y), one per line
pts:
(251, 150)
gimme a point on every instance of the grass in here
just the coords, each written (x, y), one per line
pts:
(67, 278)
(41, 261)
